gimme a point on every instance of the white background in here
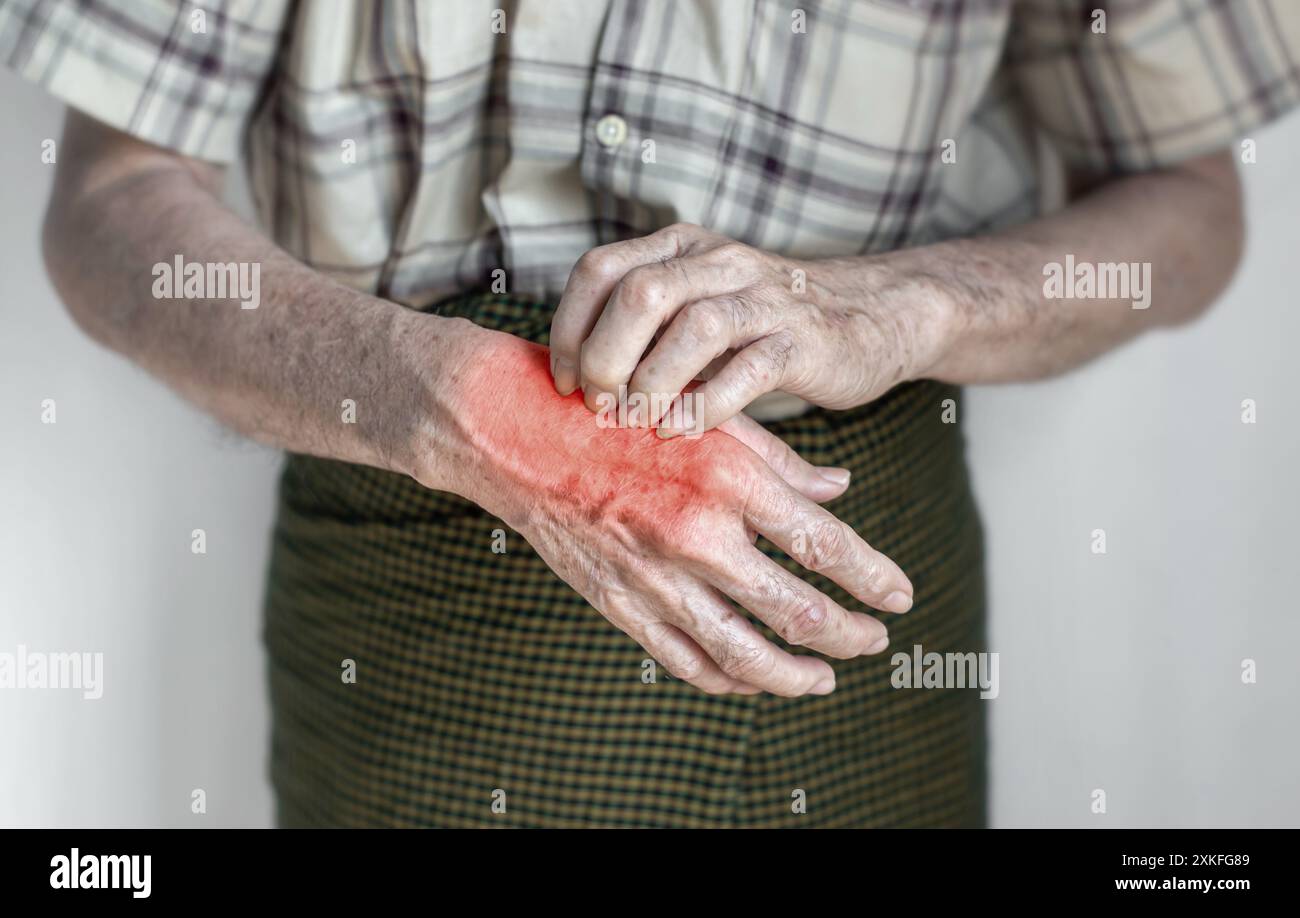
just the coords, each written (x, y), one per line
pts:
(1119, 671)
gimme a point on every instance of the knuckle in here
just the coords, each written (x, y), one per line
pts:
(735, 475)
(749, 664)
(732, 251)
(642, 289)
(657, 638)
(703, 324)
(756, 369)
(828, 543)
(689, 540)
(684, 667)
(595, 263)
(781, 458)
(681, 231)
(804, 621)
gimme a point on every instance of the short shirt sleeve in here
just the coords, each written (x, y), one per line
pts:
(1166, 80)
(180, 75)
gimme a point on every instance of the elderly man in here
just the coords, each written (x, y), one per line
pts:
(808, 224)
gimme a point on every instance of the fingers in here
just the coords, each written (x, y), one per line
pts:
(649, 297)
(699, 638)
(801, 614)
(813, 482)
(758, 369)
(695, 635)
(686, 660)
(698, 334)
(823, 544)
(743, 654)
(590, 284)
(689, 285)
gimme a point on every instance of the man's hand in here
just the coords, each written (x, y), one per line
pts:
(658, 312)
(657, 534)
(837, 332)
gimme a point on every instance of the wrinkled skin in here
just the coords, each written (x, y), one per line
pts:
(656, 533)
(655, 313)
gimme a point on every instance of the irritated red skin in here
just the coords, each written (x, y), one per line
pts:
(655, 533)
(554, 445)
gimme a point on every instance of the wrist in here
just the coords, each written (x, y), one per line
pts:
(907, 314)
(985, 285)
(431, 353)
(922, 297)
(462, 377)
(941, 317)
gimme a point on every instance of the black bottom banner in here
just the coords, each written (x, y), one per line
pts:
(902, 867)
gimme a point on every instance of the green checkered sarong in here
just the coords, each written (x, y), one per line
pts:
(488, 693)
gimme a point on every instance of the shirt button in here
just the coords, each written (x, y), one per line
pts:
(611, 131)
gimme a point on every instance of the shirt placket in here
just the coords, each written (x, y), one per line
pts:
(647, 106)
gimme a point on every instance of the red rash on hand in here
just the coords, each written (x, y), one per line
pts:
(657, 534)
(553, 444)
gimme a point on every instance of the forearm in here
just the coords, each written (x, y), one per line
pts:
(279, 373)
(655, 313)
(1000, 324)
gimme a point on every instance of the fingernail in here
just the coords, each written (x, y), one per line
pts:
(836, 476)
(825, 686)
(666, 433)
(879, 645)
(597, 399)
(897, 601)
(566, 376)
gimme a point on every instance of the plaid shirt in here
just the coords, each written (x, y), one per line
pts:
(412, 148)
